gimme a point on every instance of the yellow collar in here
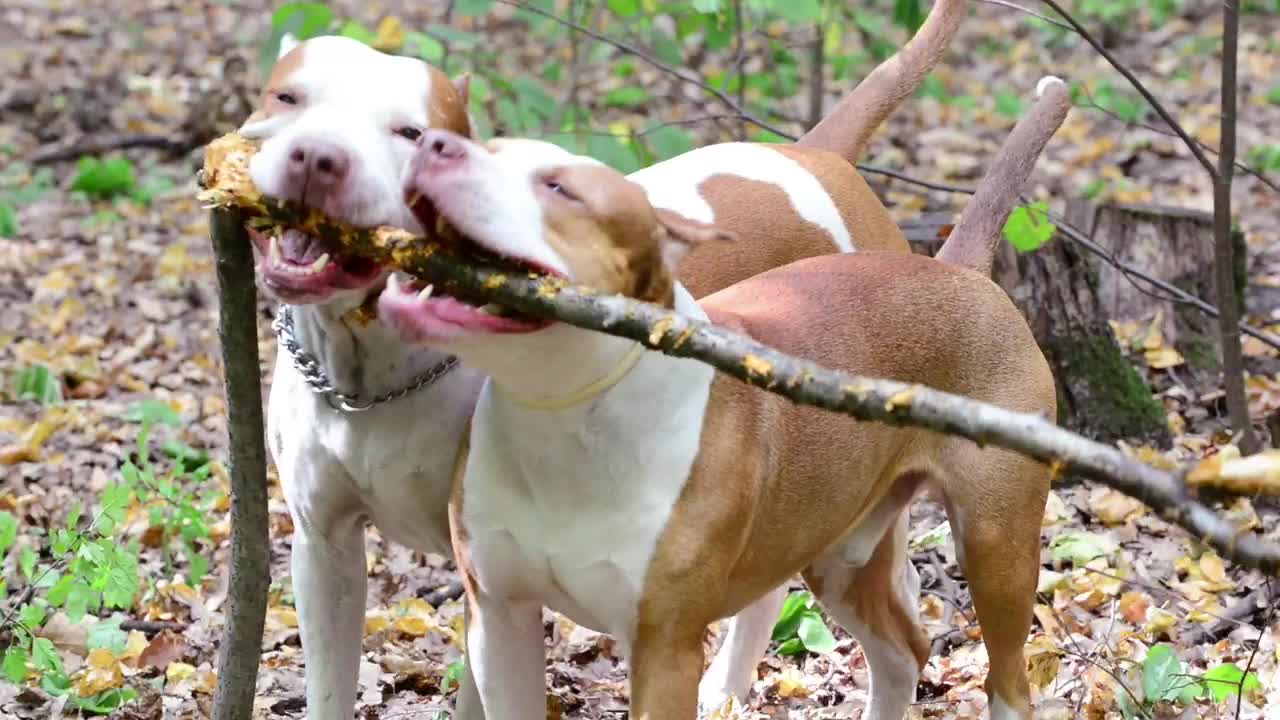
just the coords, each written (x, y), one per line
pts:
(586, 392)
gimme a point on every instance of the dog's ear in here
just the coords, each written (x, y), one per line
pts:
(681, 234)
(462, 85)
(287, 43)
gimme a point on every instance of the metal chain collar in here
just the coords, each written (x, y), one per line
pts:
(309, 367)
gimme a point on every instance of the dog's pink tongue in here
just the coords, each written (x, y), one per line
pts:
(300, 248)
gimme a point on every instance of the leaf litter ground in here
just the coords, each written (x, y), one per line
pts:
(117, 299)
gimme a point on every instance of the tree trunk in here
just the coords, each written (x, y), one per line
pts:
(1100, 394)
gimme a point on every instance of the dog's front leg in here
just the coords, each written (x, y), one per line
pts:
(734, 666)
(329, 586)
(507, 662)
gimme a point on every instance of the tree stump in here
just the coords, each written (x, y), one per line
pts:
(1172, 244)
(1100, 394)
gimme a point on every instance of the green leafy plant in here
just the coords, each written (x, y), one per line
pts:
(801, 627)
(1265, 157)
(1078, 548)
(1166, 679)
(1029, 227)
(83, 568)
(105, 178)
(37, 383)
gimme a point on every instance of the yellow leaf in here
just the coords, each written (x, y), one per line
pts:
(282, 616)
(178, 671)
(1043, 660)
(1164, 358)
(415, 617)
(389, 36)
(134, 646)
(173, 262)
(790, 683)
(1160, 621)
(101, 673)
(1133, 607)
(206, 682)
(1153, 339)
(1113, 507)
(375, 622)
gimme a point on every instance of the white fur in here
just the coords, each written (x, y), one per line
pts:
(673, 184)
(1047, 82)
(352, 94)
(564, 508)
(745, 641)
(393, 464)
(1000, 710)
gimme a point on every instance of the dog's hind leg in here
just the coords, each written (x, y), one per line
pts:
(996, 510)
(867, 584)
(745, 642)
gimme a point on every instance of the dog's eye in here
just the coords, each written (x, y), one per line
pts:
(287, 98)
(554, 186)
(409, 133)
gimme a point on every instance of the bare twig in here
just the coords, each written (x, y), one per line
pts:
(1223, 249)
(153, 626)
(817, 75)
(1137, 85)
(1271, 610)
(719, 94)
(98, 145)
(241, 646)
(1242, 167)
(1028, 11)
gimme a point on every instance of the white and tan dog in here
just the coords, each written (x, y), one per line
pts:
(366, 429)
(644, 496)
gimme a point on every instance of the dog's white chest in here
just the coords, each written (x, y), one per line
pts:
(393, 464)
(566, 508)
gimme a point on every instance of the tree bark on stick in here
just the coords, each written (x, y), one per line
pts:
(241, 646)
(1224, 262)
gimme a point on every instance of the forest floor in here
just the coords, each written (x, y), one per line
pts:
(117, 299)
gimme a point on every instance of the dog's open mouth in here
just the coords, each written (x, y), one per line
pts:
(420, 311)
(296, 265)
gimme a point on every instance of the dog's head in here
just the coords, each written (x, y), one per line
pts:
(339, 122)
(533, 205)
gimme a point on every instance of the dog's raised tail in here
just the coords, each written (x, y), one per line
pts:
(974, 239)
(847, 129)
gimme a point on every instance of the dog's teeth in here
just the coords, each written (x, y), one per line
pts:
(320, 263)
(273, 251)
(425, 293)
(393, 284)
(413, 200)
(491, 309)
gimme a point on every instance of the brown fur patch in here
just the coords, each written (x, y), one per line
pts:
(446, 107)
(772, 233)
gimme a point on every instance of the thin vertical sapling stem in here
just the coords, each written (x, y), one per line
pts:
(1223, 251)
(241, 647)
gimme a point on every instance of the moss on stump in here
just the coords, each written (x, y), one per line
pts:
(1102, 395)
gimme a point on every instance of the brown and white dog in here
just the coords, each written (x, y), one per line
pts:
(364, 428)
(645, 496)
